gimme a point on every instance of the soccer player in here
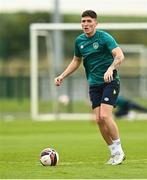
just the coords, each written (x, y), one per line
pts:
(101, 57)
(125, 105)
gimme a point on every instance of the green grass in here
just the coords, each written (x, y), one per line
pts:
(23, 106)
(14, 106)
(79, 144)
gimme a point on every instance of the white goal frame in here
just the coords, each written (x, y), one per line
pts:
(40, 29)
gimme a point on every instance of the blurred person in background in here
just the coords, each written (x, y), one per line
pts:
(101, 58)
(124, 106)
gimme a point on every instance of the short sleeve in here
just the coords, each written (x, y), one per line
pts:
(110, 41)
(77, 52)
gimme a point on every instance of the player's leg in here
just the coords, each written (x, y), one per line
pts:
(105, 133)
(106, 117)
(137, 107)
(122, 111)
(103, 129)
(95, 93)
(109, 131)
(110, 94)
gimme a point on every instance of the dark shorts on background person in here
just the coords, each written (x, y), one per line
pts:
(106, 93)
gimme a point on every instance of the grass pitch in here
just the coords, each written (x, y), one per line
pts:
(81, 149)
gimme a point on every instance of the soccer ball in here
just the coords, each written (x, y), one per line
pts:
(49, 157)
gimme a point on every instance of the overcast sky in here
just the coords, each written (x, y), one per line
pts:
(125, 7)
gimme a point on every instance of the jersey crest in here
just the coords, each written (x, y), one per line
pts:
(95, 45)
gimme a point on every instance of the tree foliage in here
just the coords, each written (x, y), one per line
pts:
(14, 32)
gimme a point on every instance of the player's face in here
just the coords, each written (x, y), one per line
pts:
(88, 25)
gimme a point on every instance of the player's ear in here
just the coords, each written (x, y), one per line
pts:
(96, 21)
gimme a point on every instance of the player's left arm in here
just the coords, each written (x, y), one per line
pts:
(118, 58)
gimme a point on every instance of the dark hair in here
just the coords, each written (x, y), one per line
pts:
(89, 13)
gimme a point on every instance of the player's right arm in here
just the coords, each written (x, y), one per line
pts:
(75, 63)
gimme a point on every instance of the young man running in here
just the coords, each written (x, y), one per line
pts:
(101, 57)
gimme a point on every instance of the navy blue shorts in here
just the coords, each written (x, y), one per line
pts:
(106, 93)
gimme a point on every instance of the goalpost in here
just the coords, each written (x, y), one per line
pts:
(42, 29)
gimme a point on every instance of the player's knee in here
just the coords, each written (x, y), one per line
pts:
(99, 121)
(103, 116)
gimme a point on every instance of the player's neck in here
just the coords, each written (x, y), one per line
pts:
(91, 33)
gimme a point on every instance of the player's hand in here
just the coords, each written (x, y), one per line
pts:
(58, 80)
(108, 76)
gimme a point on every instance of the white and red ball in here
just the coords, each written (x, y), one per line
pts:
(49, 157)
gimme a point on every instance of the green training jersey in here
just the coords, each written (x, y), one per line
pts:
(96, 52)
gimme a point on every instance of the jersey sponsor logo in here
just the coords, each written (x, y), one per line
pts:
(95, 45)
